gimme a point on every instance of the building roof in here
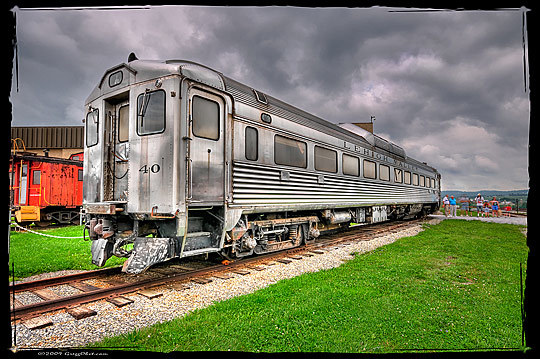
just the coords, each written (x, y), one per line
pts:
(49, 136)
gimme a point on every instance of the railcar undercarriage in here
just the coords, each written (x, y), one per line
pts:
(146, 242)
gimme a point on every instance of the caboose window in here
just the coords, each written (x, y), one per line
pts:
(370, 169)
(384, 172)
(37, 177)
(290, 152)
(123, 124)
(407, 177)
(151, 112)
(398, 175)
(351, 165)
(92, 128)
(415, 179)
(252, 143)
(325, 160)
(205, 116)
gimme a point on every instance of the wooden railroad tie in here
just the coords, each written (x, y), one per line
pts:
(37, 323)
(150, 293)
(241, 271)
(80, 312)
(284, 260)
(223, 275)
(119, 300)
(201, 280)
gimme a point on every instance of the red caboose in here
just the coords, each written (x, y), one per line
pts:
(46, 189)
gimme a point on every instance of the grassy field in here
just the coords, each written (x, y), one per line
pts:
(34, 254)
(455, 286)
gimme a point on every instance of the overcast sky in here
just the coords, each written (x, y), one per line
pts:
(447, 86)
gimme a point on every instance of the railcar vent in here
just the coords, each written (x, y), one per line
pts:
(260, 97)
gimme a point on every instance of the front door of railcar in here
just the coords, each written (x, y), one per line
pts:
(206, 148)
(117, 145)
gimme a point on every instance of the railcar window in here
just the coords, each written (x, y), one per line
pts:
(266, 118)
(351, 165)
(80, 175)
(407, 177)
(325, 159)
(432, 183)
(370, 170)
(205, 118)
(123, 124)
(415, 179)
(115, 78)
(290, 152)
(151, 112)
(37, 177)
(422, 181)
(398, 175)
(92, 128)
(252, 143)
(384, 172)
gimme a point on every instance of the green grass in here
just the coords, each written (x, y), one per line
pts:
(34, 254)
(455, 286)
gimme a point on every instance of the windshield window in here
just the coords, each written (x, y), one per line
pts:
(151, 112)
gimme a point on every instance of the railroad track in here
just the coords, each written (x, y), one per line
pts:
(114, 284)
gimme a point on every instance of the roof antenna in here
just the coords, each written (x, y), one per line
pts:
(132, 57)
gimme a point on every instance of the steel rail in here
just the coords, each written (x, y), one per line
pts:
(64, 279)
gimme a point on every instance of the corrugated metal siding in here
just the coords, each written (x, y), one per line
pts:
(261, 186)
(50, 136)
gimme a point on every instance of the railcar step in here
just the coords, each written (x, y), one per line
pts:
(198, 234)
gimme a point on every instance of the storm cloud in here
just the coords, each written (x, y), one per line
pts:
(447, 86)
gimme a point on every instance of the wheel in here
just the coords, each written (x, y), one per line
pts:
(43, 224)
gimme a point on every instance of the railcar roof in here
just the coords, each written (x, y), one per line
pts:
(143, 70)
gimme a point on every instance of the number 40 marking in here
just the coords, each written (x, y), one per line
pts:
(154, 168)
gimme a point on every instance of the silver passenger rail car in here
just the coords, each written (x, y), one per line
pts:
(181, 160)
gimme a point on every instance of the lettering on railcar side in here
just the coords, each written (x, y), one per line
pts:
(370, 153)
